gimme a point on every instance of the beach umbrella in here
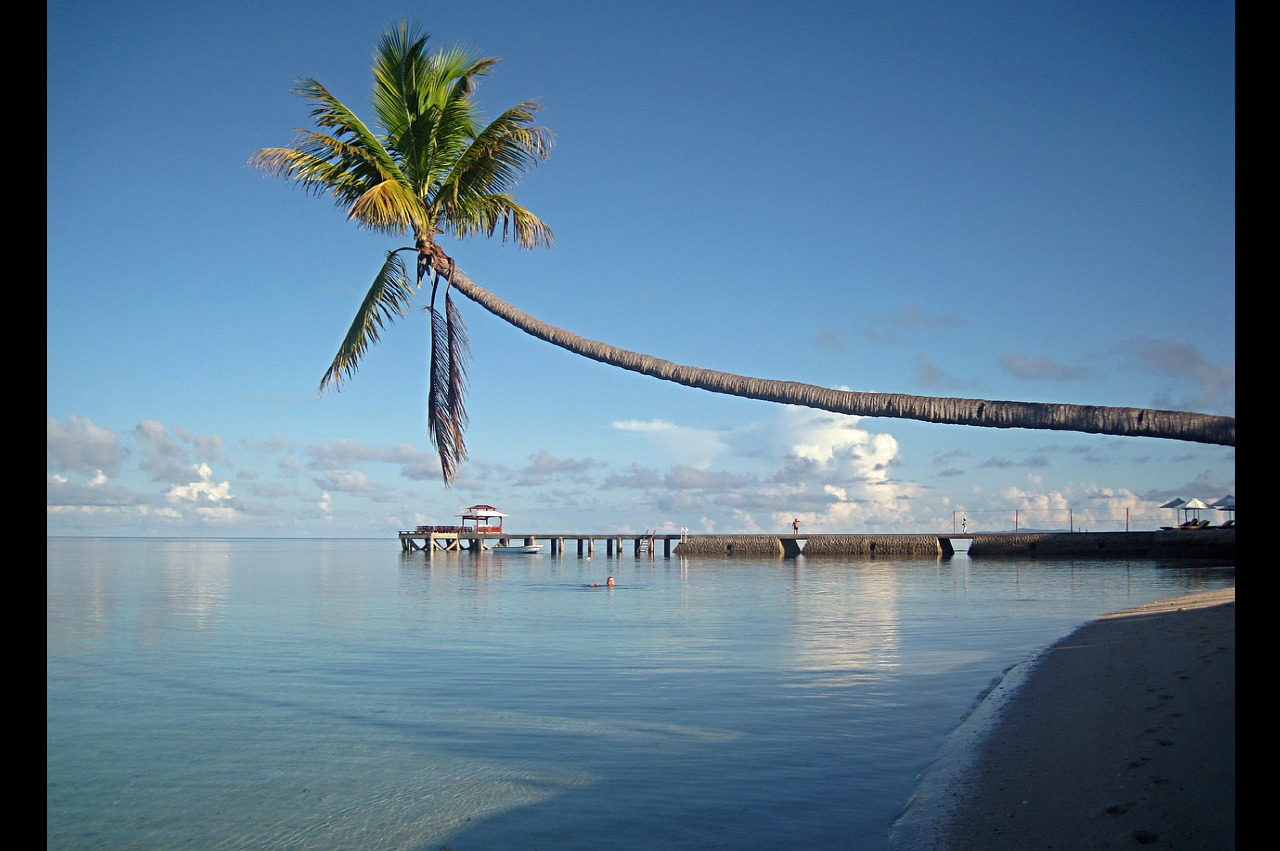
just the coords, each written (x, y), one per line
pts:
(1227, 503)
(1195, 505)
(1176, 504)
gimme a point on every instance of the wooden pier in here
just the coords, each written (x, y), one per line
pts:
(470, 540)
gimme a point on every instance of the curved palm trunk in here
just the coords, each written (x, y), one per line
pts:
(1091, 419)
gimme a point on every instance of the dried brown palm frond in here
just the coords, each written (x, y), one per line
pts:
(446, 410)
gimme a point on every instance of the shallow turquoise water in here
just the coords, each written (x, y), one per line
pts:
(301, 694)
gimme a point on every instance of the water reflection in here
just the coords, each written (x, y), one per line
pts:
(325, 694)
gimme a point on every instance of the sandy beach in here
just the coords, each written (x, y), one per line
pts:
(1121, 735)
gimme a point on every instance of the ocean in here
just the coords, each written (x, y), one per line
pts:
(342, 694)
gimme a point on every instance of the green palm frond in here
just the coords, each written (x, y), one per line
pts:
(503, 151)
(424, 103)
(483, 215)
(390, 297)
(350, 164)
(476, 196)
(401, 80)
(314, 163)
(329, 113)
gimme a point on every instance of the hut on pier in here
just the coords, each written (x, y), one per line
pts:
(479, 519)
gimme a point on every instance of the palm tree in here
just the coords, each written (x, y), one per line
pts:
(432, 167)
(435, 166)
(1090, 419)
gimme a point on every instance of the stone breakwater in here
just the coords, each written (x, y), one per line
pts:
(1205, 543)
(812, 545)
(731, 545)
(874, 545)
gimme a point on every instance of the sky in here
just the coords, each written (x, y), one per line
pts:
(1028, 201)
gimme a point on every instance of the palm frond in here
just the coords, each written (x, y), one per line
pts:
(400, 74)
(507, 147)
(424, 103)
(391, 207)
(458, 67)
(482, 215)
(312, 163)
(459, 356)
(333, 115)
(446, 408)
(350, 164)
(390, 296)
(438, 392)
(476, 195)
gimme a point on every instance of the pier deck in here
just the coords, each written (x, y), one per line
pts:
(642, 543)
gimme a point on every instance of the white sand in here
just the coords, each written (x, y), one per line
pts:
(1121, 736)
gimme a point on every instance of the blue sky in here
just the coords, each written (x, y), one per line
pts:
(1028, 201)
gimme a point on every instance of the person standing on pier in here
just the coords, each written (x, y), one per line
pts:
(795, 526)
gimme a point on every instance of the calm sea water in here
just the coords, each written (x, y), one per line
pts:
(340, 694)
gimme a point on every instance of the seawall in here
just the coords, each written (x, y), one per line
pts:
(1200, 544)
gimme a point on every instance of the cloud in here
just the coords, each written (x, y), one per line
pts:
(63, 494)
(1041, 369)
(683, 477)
(341, 455)
(203, 494)
(831, 340)
(275, 444)
(825, 468)
(543, 467)
(80, 446)
(207, 447)
(839, 446)
(930, 376)
(338, 454)
(636, 476)
(910, 317)
(913, 315)
(355, 483)
(1214, 386)
(345, 481)
(162, 458)
(192, 495)
(692, 446)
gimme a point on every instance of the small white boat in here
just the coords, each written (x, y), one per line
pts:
(518, 548)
